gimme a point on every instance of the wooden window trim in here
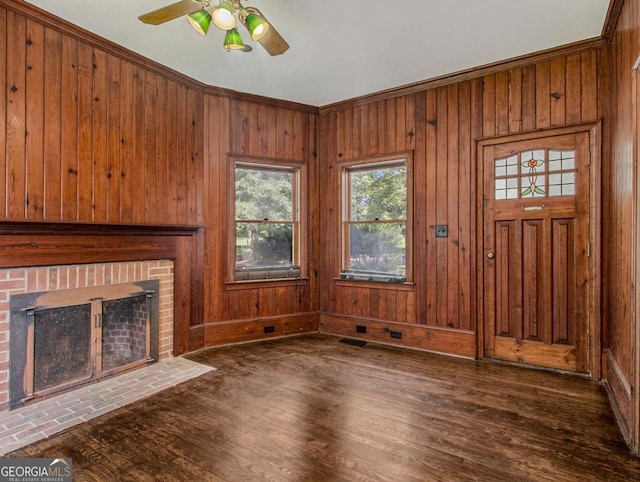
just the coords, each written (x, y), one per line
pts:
(405, 157)
(300, 201)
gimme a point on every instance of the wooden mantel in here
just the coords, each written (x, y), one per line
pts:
(29, 243)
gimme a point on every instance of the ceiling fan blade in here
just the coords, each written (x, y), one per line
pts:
(272, 42)
(170, 12)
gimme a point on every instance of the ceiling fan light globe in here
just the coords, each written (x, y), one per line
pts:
(200, 21)
(257, 26)
(233, 41)
(223, 16)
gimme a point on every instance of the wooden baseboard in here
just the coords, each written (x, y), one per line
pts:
(443, 340)
(620, 395)
(240, 331)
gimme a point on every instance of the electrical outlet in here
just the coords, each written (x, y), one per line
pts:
(395, 334)
(270, 329)
(361, 329)
(442, 231)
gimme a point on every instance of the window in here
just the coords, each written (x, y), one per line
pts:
(375, 220)
(535, 173)
(266, 232)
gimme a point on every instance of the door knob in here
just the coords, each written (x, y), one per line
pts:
(491, 255)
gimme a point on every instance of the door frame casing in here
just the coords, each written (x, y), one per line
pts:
(593, 129)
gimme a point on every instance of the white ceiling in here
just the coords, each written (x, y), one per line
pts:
(341, 49)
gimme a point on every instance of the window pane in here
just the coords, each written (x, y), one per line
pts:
(377, 247)
(264, 244)
(379, 193)
(534, 167)
(264, 194)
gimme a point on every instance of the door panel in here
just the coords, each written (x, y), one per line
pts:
(536, 235)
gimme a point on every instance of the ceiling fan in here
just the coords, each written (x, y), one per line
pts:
(201, 13)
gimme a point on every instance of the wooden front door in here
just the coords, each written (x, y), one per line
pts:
(536, 250)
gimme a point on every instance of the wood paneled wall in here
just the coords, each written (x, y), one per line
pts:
(88, 136)
(239, 311)
(622, 223)
(440, 125)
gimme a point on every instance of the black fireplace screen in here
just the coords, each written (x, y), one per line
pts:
(59, 339)
(62, 346)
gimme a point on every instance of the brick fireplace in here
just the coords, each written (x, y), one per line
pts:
(79, 277)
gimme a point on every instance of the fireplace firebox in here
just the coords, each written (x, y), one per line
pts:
(61, 339)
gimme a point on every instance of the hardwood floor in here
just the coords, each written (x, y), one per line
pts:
(314, 409)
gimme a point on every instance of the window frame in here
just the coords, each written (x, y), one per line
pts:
(299, 221)
(362, 164)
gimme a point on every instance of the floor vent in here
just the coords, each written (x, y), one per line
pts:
(351, 341)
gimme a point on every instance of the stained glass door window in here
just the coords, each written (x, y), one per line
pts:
(535, 173)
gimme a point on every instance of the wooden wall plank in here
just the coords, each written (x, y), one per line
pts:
(529, 98)
(183, 155)
(53, 120)
(465, 211)
(431, 259)
(345, 135)
(489, 106)
(515, 100)
(391, 125)
(195, 182)
(3, 110)
(440, 270)
(114, 140)
(137, 173)
(292, 140)
(162, 175)
(543, 95)
(558, 90)
(69, 129)
(99, 143)
(127, 140)
(85, 132)
(589, 86)
(34, 156)
(453, 202)
(573, 80)
(410, 126)
(401, 126)
(420, 223)
(150, 149)
(171, 167)
(16, 111)
(503, 103)
(381, 123)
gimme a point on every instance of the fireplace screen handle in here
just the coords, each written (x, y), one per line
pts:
(97, 320)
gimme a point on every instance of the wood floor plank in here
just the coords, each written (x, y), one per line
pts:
(313, 409)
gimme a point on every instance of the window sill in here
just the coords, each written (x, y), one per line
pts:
(381, 285)
(260, 283)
